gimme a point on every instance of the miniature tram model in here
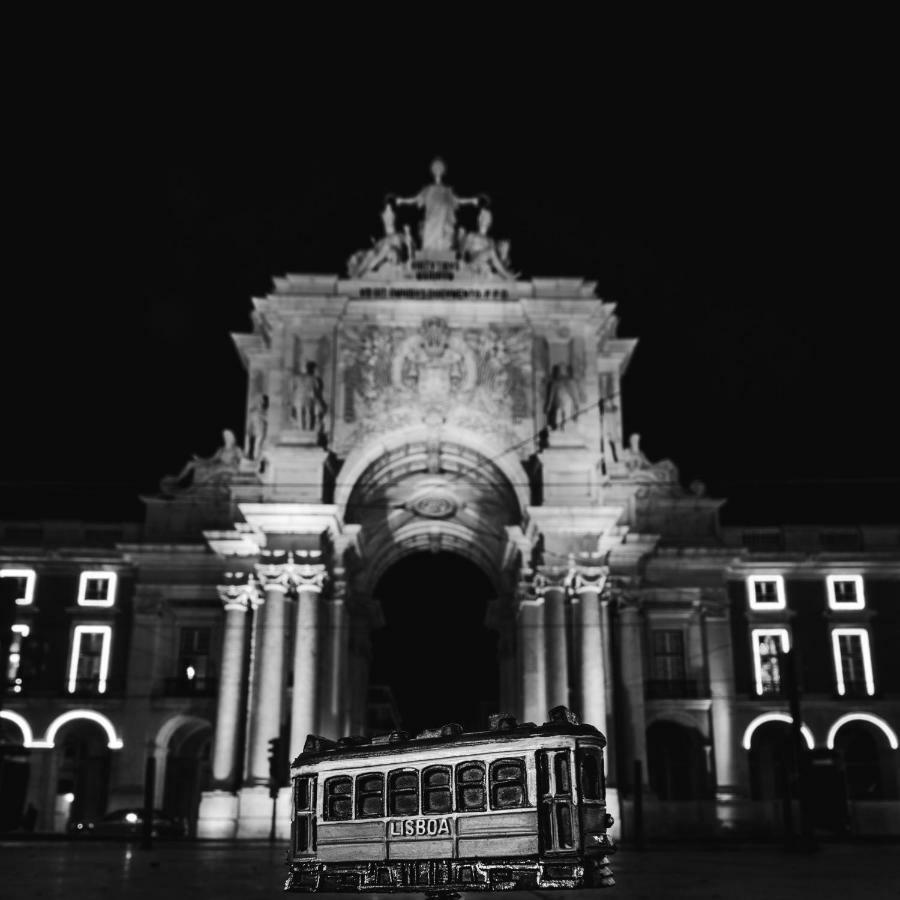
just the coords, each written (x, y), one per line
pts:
(521, 806)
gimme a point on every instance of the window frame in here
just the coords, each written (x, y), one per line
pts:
(522, 781)
(359, 795)
(30, 577)
(839, 606)
(780, 596)
(111, 579)
(328, 794)
(460, 785)
(391, 791)
(785, 635)
(680, 656)
(866, 648)
(105, 655)
(427, 791)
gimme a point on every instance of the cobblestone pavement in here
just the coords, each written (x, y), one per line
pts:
(174, 871)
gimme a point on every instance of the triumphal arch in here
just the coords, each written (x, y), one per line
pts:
(434, 399)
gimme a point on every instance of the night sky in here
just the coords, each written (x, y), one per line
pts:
(738, 204)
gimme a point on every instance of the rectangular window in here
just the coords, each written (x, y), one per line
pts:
(470, 793)
(668, 654)
(193, 654)
(591, 766)
(89, 665)
(765, 592)
(768, 645)
(14, 660)
(370, 796)
(403, 792)
(338, 799)
(845, 592)
(304, 814)
(436, 796)
(22, 581)
(508, 784)
(852, 661)
(97, 589)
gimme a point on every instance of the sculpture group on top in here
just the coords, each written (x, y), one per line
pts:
(475, 252)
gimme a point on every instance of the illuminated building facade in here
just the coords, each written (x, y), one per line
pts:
(436, 402)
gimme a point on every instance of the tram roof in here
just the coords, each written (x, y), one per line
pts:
(318, 749)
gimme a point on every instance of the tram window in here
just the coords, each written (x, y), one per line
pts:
(403, 792)
(338, 805)
(470, 787)
(563, 825)
(543, 773)
(302, 796)
(561, 772)
(436, 790)
(508, 784)
(591, 770)
(370, 796)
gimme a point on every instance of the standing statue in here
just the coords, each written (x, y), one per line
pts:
(257, 427)
(440, 205)
(561, 402)
(309, 405)
(212, 471)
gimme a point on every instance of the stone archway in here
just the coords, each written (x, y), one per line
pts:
(183, 769)
(423, 493)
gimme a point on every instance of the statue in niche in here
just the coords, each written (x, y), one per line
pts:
(561, 401)
(309, 405)
(482, 252)
(387, 250)
(212, 471)
(257, 427)
(438, 228)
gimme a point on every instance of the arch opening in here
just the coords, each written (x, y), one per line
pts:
(435, 660)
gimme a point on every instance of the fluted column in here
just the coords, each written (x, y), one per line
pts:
(532, 656)
(717, 628)
(550, 583)
(632, 667)
(268, 675)
(309, 579)
(587, 583)
(237, 601)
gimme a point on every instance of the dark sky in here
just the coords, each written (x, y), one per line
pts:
(737, 200)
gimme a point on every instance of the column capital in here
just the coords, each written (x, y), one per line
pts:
(273, 576)
(308, 577)
(550, 578)
(238, 597)
(581, 579)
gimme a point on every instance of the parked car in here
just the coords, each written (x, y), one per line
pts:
(129, 823)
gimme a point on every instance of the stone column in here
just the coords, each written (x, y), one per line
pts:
(533, 657)
(333, 666)
(632, 669)
(726, 751)
(587, 583)
(550, 583)
(268, 676)
(236, 600)
(309, 580)
(609, 675)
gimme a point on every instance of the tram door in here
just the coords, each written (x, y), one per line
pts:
(556, 811)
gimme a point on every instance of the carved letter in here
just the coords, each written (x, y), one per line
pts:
(420, 827)
(408, 829)
(445, 827)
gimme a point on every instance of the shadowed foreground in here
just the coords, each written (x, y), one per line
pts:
(173, 871)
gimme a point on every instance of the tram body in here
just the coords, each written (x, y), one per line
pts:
(515, 807)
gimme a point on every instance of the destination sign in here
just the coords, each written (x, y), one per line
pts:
(436, 293)
(430, 827)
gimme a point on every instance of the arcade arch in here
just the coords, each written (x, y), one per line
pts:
(183, 768)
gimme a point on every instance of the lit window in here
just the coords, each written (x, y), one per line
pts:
(24, 588)
(852, 661)
(768, 645)
(97, 589)
(193, 656)
(845, 592)
(766, 592)
(89, 666)
(14, 659)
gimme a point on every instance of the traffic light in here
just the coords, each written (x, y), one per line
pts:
(277, 764)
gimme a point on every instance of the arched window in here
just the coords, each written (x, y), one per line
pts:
(470, 793)
(370, 796)
(338, 806)
(508, 784)
(436, 790)
(403, 792)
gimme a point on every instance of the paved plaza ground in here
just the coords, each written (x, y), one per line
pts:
(172, 871)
